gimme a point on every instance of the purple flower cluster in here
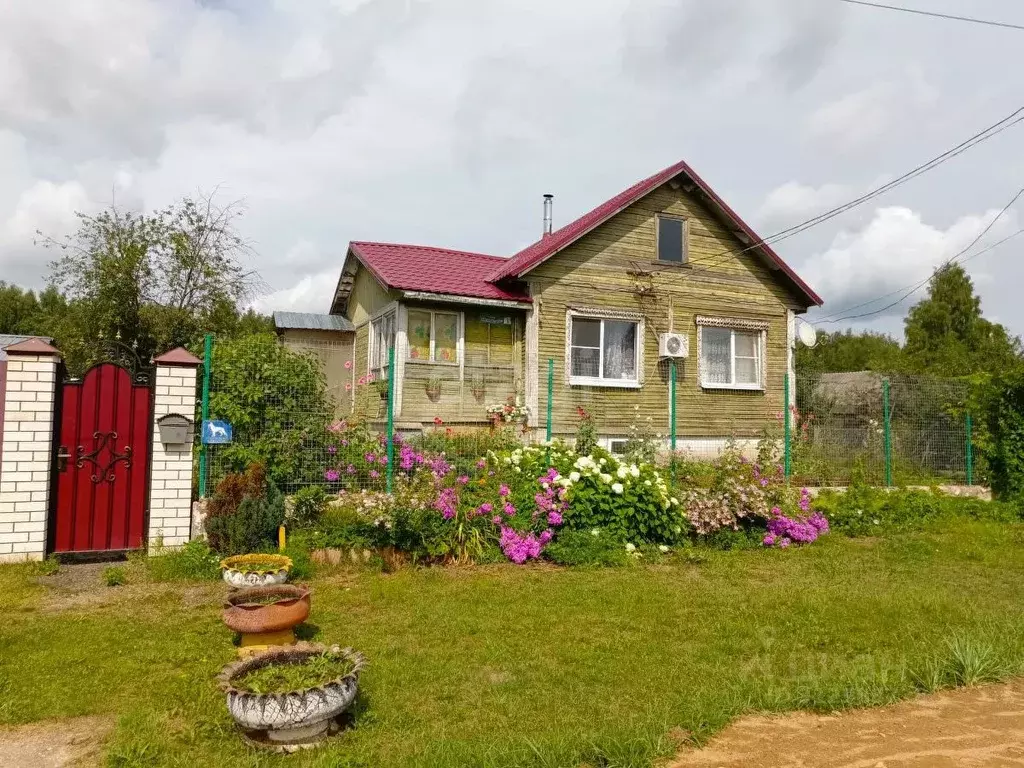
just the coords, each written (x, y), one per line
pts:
(332, 475)
(408, 458)
(551, 500)
(783, 531)
(439, 466)
(447, 503)
(519, 548)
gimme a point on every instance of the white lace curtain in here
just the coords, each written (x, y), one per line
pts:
(619, 349)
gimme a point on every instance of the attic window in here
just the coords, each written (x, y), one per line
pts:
(671, 240)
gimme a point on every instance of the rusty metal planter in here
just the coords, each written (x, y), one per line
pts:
(246, 613)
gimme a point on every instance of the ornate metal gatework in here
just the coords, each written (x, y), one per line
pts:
(104, 471)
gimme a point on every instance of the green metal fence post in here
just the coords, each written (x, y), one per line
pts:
(551, 389)
(391, 418)
(786, 428)
(887, 432)
(672, 412)
(205, 410)
(969, 428)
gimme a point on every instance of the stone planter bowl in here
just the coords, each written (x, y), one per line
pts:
(302, 713)
(243, 614)
(238, 571)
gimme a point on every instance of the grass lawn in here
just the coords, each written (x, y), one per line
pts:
(536, 666)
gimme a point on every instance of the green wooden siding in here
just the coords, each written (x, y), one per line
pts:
(595, 272)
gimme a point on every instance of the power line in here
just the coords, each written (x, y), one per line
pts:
(936, 15)
(984, 135)
(910, 290)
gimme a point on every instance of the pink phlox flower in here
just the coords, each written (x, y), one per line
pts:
(332, 475)
(503, 490)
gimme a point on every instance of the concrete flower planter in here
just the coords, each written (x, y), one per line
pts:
(266, 616)
(295, 719)
(255, 570)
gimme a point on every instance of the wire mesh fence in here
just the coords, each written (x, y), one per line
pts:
(302, 406)
(883, 429)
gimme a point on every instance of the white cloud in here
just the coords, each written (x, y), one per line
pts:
(794, 202)
(313, 293)
(864, 116)
(897, 249)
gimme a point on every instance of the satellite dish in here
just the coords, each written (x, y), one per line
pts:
(808, 334)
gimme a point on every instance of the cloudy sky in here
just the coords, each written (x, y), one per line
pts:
(443, 121)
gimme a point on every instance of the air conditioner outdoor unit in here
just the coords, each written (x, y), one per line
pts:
(673, 345)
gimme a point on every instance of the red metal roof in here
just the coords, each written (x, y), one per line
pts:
(546, 247)
(434, 270)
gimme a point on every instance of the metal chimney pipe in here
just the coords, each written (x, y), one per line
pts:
(548, 204)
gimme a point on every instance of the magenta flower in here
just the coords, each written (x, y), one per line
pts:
(374, 474)
(554, 518)
(510, 510)
(332, 449)
(496, 520)
(503, 490)
(486, 508)
(351, 469)
(332, 475)
(370, 458)
(463, 479)
(481, 464)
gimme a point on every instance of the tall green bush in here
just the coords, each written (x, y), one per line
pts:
(1001, 399)
(277, 402)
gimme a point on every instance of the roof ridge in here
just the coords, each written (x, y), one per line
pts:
(430, 248)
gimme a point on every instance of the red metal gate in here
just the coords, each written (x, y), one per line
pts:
(103, 452)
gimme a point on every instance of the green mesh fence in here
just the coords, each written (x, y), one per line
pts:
(841, 430)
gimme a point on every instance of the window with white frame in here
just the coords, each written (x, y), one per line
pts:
(604, 351)
(382, 339)
(731, 356)
(434, 336)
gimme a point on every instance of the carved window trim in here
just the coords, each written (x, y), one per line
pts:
(734, 324)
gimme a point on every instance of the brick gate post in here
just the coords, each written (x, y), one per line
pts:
(27, 449)
(170, 490)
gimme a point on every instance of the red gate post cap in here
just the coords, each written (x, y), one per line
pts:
(33, 346)
(179, 357)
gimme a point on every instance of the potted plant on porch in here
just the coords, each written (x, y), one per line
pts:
(478, 386)
(433, 388)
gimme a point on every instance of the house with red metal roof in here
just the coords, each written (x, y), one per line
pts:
(660, 310)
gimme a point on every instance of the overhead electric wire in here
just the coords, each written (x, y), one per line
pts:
(910, 290)
(984, 135)
(935, 14)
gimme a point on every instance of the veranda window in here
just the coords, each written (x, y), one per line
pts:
(433, 336)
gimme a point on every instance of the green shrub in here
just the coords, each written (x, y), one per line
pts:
(194, 561)
(298, 550)
(866, 511)
(593, 548)
(244, 514)
(586, 433)
(276, 399)
(629, 501)
(308, 505)
(114, 576)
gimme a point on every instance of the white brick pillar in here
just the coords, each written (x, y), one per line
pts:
(170, 490)
(27, 449)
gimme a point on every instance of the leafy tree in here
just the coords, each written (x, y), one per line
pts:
(846, 351)
(278, 406)
(150, 280)
(946, 333)
(17, 307)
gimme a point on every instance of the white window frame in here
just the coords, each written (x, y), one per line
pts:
(586, 313)
(758, 328)
(459, 344)
(392, 310)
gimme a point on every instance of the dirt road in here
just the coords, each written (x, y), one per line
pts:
(965, 728)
